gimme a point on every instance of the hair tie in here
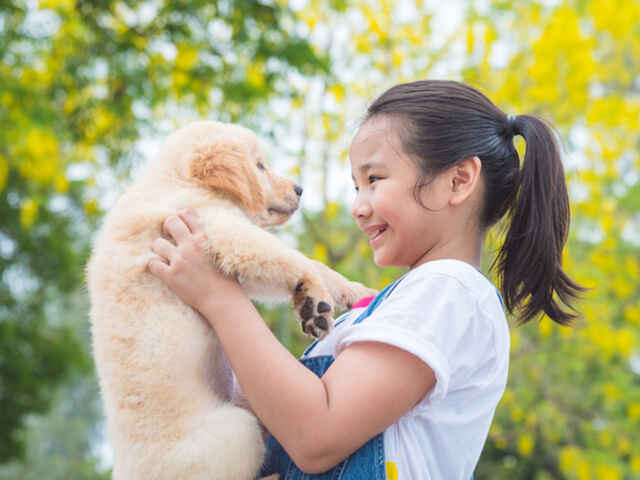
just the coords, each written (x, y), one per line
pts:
(511, 125)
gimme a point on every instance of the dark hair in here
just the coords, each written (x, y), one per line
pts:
(446, 122)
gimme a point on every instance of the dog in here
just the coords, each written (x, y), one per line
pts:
(164, 379)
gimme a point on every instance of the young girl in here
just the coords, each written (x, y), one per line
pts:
(406, 388)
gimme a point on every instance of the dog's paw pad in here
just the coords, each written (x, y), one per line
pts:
(306, 311)
(323, 307)
(321, 323)
(316, 327)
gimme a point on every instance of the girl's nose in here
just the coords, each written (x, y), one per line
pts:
(360, 208)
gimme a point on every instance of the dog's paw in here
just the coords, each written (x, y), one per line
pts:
(314, 309)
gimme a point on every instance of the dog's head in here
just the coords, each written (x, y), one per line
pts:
(226, 159)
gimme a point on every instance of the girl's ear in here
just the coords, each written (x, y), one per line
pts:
(464, 180)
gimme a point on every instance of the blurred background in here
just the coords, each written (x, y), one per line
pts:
(88, 89)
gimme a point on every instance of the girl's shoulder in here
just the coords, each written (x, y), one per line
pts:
(429, 279)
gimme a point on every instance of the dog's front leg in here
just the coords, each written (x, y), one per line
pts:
(270, 270)
(344, 292)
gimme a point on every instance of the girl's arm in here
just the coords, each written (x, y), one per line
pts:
(319, 421)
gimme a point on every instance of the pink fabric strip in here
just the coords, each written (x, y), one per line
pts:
(363, 302)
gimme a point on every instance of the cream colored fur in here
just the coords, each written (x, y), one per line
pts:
(163, 376)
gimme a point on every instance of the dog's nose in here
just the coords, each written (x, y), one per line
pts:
(298, 190)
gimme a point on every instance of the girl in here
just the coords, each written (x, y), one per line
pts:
(406, 388)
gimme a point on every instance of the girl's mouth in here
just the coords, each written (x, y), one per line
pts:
(376, 235)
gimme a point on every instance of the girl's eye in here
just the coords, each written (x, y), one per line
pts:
(373, 178)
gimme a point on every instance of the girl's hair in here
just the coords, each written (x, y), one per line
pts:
(445, 122)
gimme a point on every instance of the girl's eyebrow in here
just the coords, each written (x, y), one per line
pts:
(368, 166)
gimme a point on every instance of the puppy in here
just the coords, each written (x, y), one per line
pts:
(163, 376)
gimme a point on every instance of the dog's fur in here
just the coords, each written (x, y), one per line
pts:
(163, 376)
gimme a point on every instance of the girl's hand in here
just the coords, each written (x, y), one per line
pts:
(182, 262)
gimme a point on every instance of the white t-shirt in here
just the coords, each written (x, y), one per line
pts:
(449, 315)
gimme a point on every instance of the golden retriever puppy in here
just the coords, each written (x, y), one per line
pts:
(164, 379)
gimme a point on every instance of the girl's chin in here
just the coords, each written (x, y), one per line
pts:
(381, 260)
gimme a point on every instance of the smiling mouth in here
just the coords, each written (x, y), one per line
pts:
(378, 233)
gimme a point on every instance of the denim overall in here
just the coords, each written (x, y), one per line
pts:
(366, 463)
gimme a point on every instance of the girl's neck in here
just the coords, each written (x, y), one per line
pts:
(464, 249)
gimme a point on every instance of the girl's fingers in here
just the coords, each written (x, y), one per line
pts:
(176, 228)
(191, 219)
(158, 268)
(163, 248)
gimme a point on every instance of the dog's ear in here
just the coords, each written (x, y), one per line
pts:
(227, 169)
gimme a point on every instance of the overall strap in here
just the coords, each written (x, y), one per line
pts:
(382, 295)
(379, 298)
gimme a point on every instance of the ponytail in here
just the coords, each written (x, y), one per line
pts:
(529, 262)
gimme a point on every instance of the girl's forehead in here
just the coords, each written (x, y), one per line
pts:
(375, 143)
(374, 130)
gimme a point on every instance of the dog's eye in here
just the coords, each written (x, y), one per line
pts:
(260, 165)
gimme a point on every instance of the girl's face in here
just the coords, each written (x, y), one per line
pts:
(401, 232)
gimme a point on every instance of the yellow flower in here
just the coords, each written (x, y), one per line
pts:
(515, 339)
(61, 183)
(606, 472)
(508, 397)
(525, 444)
(624, 446)
(91, 207)
(633, 411)
(625, 341)
(338, 92)
(65, 5)
(632, 314)
(295, 170)
(516, 414)
(569, 456)
(583, 469)
(470, 39)
(363, 44)
(180, 79)
(383, 281)
(545, 327)
(186, 57)
(28, 212)
(331, 210)
(40, 150)
(363, 247)
(321, 253)
(622, 287)
(4, 172)
(612, 393)
(310, 17)
(605, 438)
(255, 74)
